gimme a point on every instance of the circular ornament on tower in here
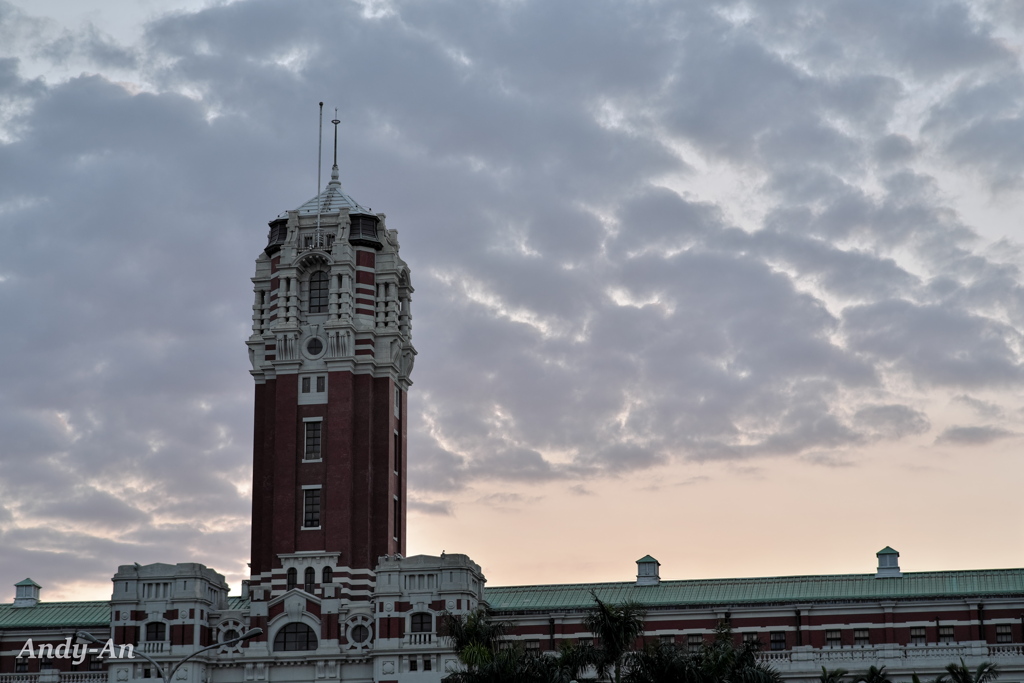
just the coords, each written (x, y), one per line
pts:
(315, 347)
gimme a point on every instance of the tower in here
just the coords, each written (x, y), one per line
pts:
(331, 353)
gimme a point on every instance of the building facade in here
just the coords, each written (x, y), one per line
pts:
(337, 600)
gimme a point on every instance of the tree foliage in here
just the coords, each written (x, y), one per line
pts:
(617, 628)
(984, 673)
(832, 675)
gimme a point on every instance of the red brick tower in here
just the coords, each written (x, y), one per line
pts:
(331, 352)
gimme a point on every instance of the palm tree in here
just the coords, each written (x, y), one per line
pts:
(720, 661)
(474, 636)
(833, 676)
(941, 678)
(617, 627)
(661, 663)
(874, 674)
(959, 673)
(477, 639)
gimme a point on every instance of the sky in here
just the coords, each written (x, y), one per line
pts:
(734, 284)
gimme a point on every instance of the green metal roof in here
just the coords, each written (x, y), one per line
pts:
(49, 614)
(887, 551)
(237, 602)
(830, 588)
(28, 582)
(647, 558)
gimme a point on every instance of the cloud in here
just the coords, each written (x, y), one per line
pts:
(892, 421)
(442, 508)
(656, 235)
(973, 436)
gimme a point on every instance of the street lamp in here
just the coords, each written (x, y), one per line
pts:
(251, 633)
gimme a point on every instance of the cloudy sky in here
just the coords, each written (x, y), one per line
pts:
(735, 284)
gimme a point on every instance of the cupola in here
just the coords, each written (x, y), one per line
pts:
(888, 563)
(647, 571)
(26, 593)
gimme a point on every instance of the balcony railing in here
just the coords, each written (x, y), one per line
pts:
(20, 678)
(62, 676)
(153, 647)
(418, 639)
(944, 652)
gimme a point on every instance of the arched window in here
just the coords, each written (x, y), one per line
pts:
(421, 622)
(309, 579)
(318, 292)
(293, 578)
(294, 636)
(156, 630)
(328, 575)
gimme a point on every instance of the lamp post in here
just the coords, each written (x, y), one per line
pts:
(251, 633)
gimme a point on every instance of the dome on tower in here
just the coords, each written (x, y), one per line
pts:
(331, 200)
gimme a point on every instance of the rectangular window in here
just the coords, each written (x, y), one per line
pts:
(861, 637)
(586, 642)
(398, 519)
(833, 638)
(426, 664)
(95, 664)
(750, 638)
(21, 666)
(778, 639)
(1004, 633)
(313, 441)
(398, 403)
(311, 508)
(45, 664)
(398, 453)
(667, 640)
(533, 646)
(414, 665)
(917, 636)
(694, 641)
(312, 389)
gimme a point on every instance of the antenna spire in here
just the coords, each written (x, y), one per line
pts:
(334, 169)
(318, 238)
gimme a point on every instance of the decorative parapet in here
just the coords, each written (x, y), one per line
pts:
(895, 657)
(56, 676)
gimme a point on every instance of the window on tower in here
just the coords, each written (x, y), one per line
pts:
(318, 292)
(398, 453)
(293, 578)
(311, 508)
(398, 519)
(309, 581)
(313, 440)
(312, 389)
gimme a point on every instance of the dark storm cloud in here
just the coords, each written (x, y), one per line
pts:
(582, 309)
